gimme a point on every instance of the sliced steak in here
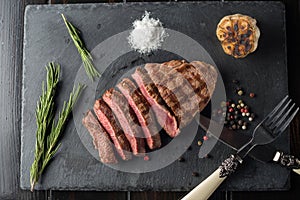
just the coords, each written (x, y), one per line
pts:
(176, 92)
(196, 78)
(127, 119)
(210, 76)
(108, 121)
(150, 92)
(143, 112)
(100, 138)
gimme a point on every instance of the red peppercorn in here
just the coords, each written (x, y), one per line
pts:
(242, 110)
(246, 110)
(146, 158)
(252, 95)
(205, 137)
(230, 109)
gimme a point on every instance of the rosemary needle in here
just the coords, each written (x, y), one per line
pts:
(84, 53)
(47, 145)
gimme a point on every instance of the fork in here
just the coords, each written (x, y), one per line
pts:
(268, 130)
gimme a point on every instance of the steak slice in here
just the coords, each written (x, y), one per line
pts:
(127, 119)
(150, 92)
(108, 121)
(176, 92)
(143, 112)
(196, 75)
(100, 138)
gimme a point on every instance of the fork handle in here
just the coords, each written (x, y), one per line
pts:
(207, 187)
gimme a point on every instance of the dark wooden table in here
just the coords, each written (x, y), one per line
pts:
(11, 43)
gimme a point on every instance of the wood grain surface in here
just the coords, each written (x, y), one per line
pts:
(11, 34)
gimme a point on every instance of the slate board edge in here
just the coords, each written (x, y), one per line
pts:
(63, 6)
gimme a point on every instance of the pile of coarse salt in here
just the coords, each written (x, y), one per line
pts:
(147, 34)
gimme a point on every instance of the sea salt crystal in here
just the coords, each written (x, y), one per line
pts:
(147, 35)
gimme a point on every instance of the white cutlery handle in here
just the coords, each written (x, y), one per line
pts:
(206, 187)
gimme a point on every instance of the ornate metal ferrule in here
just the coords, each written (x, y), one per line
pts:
(229, 165)
(288, 161)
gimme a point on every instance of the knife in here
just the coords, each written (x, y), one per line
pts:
(265, 153)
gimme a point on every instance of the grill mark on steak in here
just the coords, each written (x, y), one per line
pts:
(127, 119)
(142, 110)
(100, 138)
(108, 121)
(150, 92)
(193, 76)
(209, 75)
(175, 90)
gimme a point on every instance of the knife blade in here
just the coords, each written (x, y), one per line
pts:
(234, 140)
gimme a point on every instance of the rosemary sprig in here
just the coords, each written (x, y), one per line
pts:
(84, 53)
(44, 117)
(46, 147)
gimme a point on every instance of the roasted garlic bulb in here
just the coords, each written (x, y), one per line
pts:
(238, 35)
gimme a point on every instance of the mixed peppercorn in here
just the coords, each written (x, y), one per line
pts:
(238, 115)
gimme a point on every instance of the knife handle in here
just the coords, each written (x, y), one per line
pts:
(287, 160)
(206, 187)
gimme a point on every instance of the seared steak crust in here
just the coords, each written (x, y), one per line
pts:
(176, 91)
(176, 79)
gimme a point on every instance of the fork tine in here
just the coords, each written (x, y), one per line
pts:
(280, 129)
(272, 113)
(272, 121)
(281, 116)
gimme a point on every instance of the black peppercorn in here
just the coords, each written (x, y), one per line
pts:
(195, 174)
(181, 159)
(235, 81)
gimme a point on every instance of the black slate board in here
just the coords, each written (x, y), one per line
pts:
(74, 168)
